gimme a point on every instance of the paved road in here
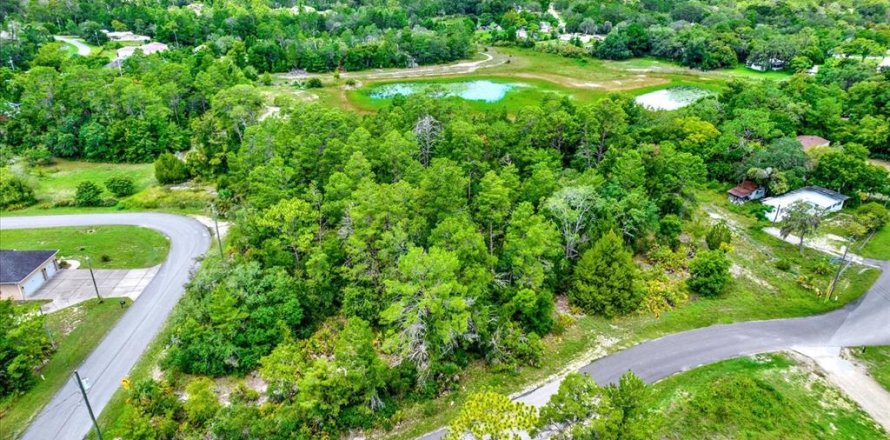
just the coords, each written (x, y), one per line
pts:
(66, 417)
(863, 322)
(82, 49)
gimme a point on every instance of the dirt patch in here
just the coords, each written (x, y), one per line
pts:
(741, 272)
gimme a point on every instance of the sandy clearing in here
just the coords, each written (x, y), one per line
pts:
(853, 379)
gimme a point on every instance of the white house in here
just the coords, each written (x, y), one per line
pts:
(125, 36)
(825, 200)
(23, 272)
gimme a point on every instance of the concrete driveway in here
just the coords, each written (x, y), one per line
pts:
(73, 286)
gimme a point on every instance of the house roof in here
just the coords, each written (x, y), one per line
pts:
(809, 141)
(744, 189)
(15, 266)
(814, 195)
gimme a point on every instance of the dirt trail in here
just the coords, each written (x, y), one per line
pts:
(853, 380)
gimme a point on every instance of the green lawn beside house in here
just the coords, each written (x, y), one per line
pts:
(117, 247)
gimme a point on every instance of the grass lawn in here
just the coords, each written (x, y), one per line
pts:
(125, 247)
(76, 330)
(765, 397)
(877, 359)
(59, 181)
(879, 245)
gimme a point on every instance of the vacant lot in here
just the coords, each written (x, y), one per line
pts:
(58, 182)
(879, 245)
(118, 247)
(765, 396)
(877, 359)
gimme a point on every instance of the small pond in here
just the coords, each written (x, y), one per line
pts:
(477, 90)
(672, 98)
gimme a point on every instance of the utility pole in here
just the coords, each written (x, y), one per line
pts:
(95, 286)
(837, 275)
(49, 334)
(87, 401)
(216, 226)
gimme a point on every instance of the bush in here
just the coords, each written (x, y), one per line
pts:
(872, 216)
(120, 186)
(39, 155)
(15, 193)
(88, 194)
(783, 265)
(709, 273)
(313, 83)
(169, 169)
(717, 235)
(669, 229)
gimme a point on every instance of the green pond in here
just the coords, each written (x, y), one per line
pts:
(476, 90)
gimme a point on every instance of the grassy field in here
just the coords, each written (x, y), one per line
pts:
(124, 246)
(76, 330)
(879, 245)
(763, 397)
(59, 181)
(583, 79)
(877, 359)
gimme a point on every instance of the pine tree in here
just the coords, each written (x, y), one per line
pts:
(606, 279)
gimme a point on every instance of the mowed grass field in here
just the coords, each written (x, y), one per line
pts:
(76, 331)
(879, 245)
(58, 182)
(118, 247)
(768, 396)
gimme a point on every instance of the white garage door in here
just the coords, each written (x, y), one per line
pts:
(33, 284)
(50, 270)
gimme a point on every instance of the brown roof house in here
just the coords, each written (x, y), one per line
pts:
(746, 191)
(809, 142)
(23, 272)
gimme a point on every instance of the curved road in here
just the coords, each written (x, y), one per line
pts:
(863, 322)
(82, 49)
(66, 417)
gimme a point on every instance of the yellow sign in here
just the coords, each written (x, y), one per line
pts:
(125, 383)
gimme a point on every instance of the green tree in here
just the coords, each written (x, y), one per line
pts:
(488, 415)
(88, 194)
(669, 229)
(492, 205)
(606, 279)
(800, 219)
(169, 169)
(14, 191)
(709, 273)
(429, 316)
(23, 347)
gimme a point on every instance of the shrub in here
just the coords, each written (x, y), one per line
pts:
(783, 265)
(350, 82)
(606, 279)
(169, 169)
(669, 229)
(872, 216)
(313, 83)
(15, 193)
(717, 235)
(39, 155)
(120, 186)
(88, 194)
(709, 273)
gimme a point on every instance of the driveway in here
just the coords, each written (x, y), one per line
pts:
(69, 287)
(66, 417)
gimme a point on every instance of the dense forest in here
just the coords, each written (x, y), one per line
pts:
(374, 257)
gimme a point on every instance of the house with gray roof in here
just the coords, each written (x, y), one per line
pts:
(22, 273)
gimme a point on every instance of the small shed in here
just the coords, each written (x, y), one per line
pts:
(825, 200)
(809, 142)
(746, 191)
(24, 272)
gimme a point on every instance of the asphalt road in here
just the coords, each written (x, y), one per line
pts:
(66, 417)
(863, 322)
(82, 49)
